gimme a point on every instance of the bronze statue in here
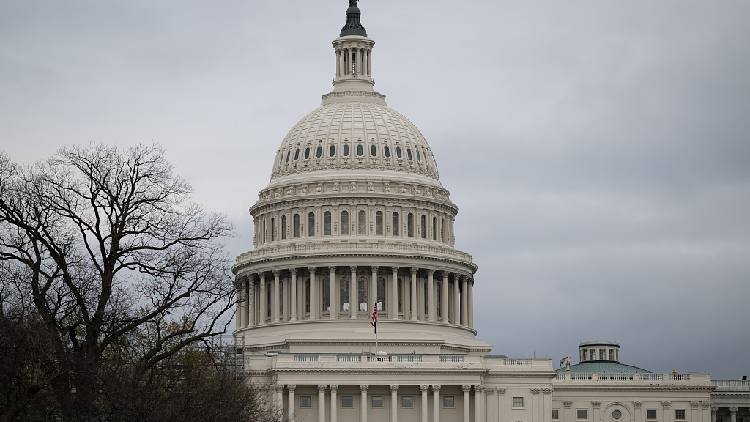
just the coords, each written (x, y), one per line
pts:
(353, 3)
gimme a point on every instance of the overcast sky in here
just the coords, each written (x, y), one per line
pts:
(599, 151)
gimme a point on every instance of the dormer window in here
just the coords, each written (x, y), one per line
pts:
(408, 154)
(307, 153)
(332, 151)
(296, 155)
(360, 151)
(387, 151)
(346, 150)
(319, 152)
(373, 150)
(398, 152)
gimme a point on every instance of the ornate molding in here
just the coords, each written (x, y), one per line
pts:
(694, 404)
(436, 388)
(394, 387)
(500, 391)
(665, 404)
(363, 387)
(536, 390)
(567, 404)
(466, 388)
(596, 404)
(424, 387)
(637, 404)
(322, 388)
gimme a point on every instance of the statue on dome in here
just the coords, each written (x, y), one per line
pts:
(353, 3)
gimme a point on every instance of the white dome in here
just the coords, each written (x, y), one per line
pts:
(354, 135)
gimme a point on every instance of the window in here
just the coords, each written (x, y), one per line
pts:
(379, 223)
(434, 228)
(362, 224)
(601, 354)
(344, 293)
(307, 153)
(448, 402)
(592, 354)
(344, 222)
(319, 152)
(423, 226)
(269, 295)
(418, 157)
(283, 227)
(327, 223)
(331, 151)
(380, 294)
(400, 296)
(387, 151)
(377, 401)
(408, 153)
(398, 152)
(296, 155)
(582, 414)
(296, 225)
(442, 231)
(651, 414)
(438, 294)
(407, 401)
(360, 151)
(679, 415)
(347, 401)
(518, 402)
(555, 414)
(288, 154)
(311, 224)
(611, 354)
(305, 401)
(273, 229)
(395, 224)
(373, 150)
(584, 354)
(307, 296)
(281, 302)
(426, 302)
(362, 293)
(346, 150)
(616, 414)
(410, 225)
(326, 294)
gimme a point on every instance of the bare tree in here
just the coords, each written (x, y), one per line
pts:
(114, 260)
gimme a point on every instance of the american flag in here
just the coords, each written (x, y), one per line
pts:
(374, 320)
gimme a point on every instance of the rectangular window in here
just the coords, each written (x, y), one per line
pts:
(273, 229)
(407, 401)
(518, 402)
(584, 354)
(379, 223)
(395, 224)
(347, 401)
(448, 402)
(361, 223)
(344, 222)
(555, 414)
(311, 224)
(611, 354)
(651, 414)
(601, 354)
(679, 415)
(582, 414)
(327, 223)
(305, 401)
(377, 401)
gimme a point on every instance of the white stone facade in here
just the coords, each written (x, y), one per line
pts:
(355, 218)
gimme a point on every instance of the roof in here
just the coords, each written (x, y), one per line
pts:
(604, 367)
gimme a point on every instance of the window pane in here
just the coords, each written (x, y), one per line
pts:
(273, 229)
(387, 151)
(288, 154)
(555, 414)
(410, 225)
(327, 223)
(311, 224)
(434, 228)
(344, 222)
(418, 157)
(360, 151)
(373, 150)
(296, 154)
(447, 401)
(296, 225)
(380, 298)
(377, 401)
(406, 401)
(305, 401)
(398, 152)
(582, 414)
(362, 293)
(326, 296)
(332, 151)
(395, 224)
(616, 415)
(362, 223)
(307, 153)
(283, 227)
(379, 223)
(347, 401)
(344, 293)
(408, 153)
(517, 401)
(424, 226)
(651, 414)
(346, 150)
(400, 296)
(679, 415)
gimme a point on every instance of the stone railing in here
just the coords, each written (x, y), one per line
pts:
(346, 360)
(310, 248)
(574, 377)
(502, 363)
(731, 385)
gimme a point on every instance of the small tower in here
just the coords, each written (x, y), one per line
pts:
(596, 351)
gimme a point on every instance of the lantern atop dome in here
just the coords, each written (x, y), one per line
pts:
(353, 25)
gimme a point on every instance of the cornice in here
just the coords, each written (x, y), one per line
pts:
(601, 387)
(381, 371)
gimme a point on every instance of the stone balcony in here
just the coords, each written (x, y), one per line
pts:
(740, 386)
(573, 378)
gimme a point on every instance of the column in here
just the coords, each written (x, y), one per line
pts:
(665, 411)
(596, 405)
(638, 413)
(276, 299)
(363, 404)
(338, 63)
(313, 294)
(373, 296)
(444, 302)
(535, 406)
(250, 302)
(334, 403)
(369, 63)
(293, 290)
(470, 303)
(547, 410)
(357, 67)
(424, 389)
(500, 404)
(713, 413)
(285, 302)
(280, 398)
(466, 389)
(464, 297)
(569, 416)
(456, 302)
(431, 311)
(490, 415)
(694, 409)
(393, 311)
(332, 293)
(353, 296)
(263, 301)
(321, 399)
(394, 403)
(733, 417)
(365, 62)
(240, 304)
(436, 403)
(414, 294)
(291, 402)
(478, 393)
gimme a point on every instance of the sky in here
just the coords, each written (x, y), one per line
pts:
(598, 151)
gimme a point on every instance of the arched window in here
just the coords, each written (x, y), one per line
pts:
(361, 224)
(362, 293)
(434, 228)
(273, 229)
(344, 294)
(326, 296)
(344, 222)
(423, 226)
(332, 151)
(379, 223)
(360, 151)
(395, 224)
(346, 150)
(408, 153)
(410, 225)
(380, 297)
(296, 155)
(296, 225)
(311, 224)
(319, 152)
(307, 153)
(387, 151)
(373, 150)
(283, 227)
(327, 223)
(398, 152)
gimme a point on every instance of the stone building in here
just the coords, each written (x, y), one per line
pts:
(354, 219)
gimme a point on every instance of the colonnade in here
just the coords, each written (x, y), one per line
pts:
(336, 293)
(353, 61)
